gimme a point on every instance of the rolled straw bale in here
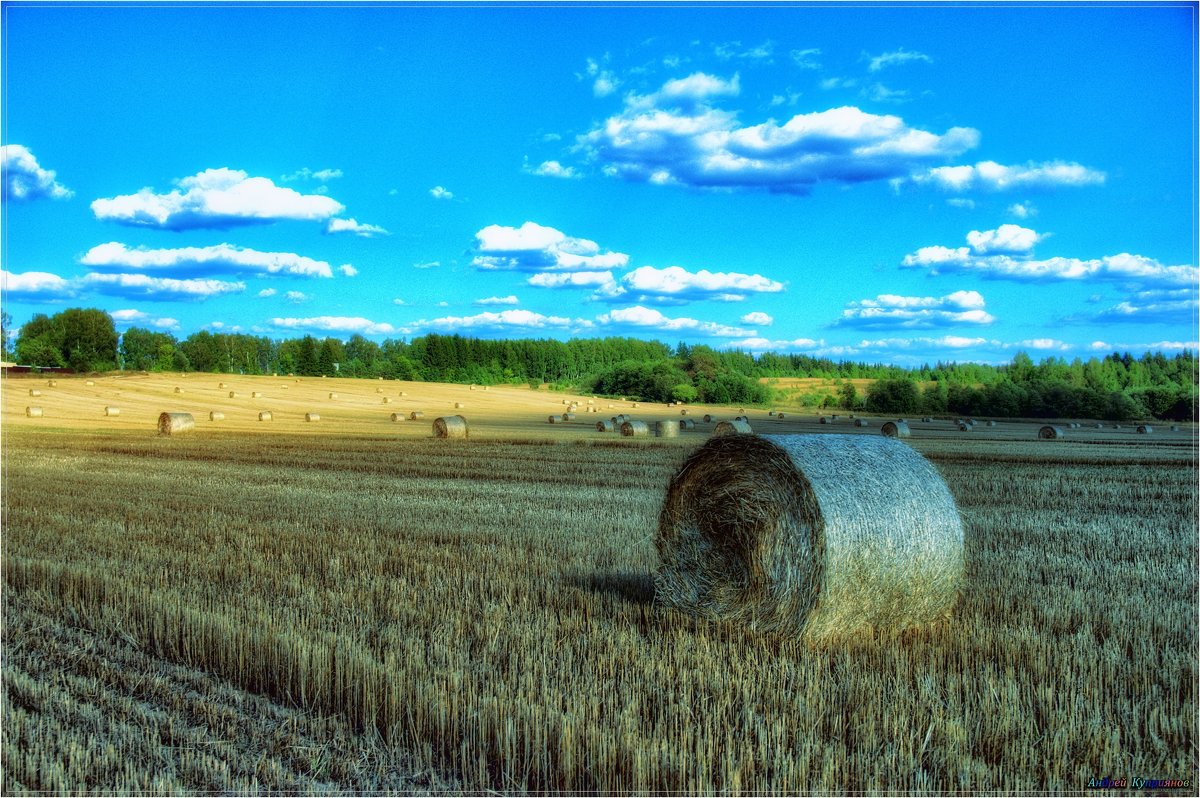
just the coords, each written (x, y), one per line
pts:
(709, 418)
(1098, 425)
(666, 429)
(459, 405)
(283, 387)
(1174, 428)
(220, 385)
(835, 416)
(683, 412)
(895, 429)
(927, 419)
(178, 389)
(566, 402)
(450, 427)
(734, 427)
(824, 420)
(387, 400)
(414, 415)
(605, 426)
(112, 411)
(819, 536)
(686, 424)
(861, 422)
(52, 384)
(397, 417)
(404, 393)
(256, 394)
(472, 387)
(380, 390)
(333, 396)
(34, 392)
(486, 388)
(591, 401)
(568, 416)
(265, 415)
(1049, 432)
(1145, 429)
(1116, 426)
(233, 394)
(780, 416)
(216, 415)
(89, 383)
(670, 404)
(741, 418)
(635, 429)
(555, 419)
(312, 417)
(33, 412)
(635, 404)
(991, 423)
(172, 423)
(771, 413)
(610, 407)
(964, 427)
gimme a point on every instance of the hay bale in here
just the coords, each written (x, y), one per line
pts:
(178, 389)
(781, 416)
(265, 415)
(1145, 429)
(459, 405)
(283, 387)
(33, 412)
(397, 417)
(414, 415)
(52, 383)
(1098, 425)
(472, 387)
(34, 392)
(683, 412)
(112, 411)
(818, 536)
(591, 401)
(173, 423)
(450, 427)
(686, 424)
(1049, 432)
(895, 429)
(709, 418)
(333, 396)
(1174, 428)
(216, 415)
(771, 413)
(1116, 426)
(824, 420)
(991, 423)
(387, 400)
(256, 394)
(964, 427)
(233, 394)
(404, 393)
(555, 419)
(927, 419)
(861, 422)
(605, 426)
(734, 427)
(635, 429)
(312, 417)
(89, 383)
(742, 418)
(666, 429)
(221, 385)
(568, 417)
(635, 404)
(566, 401)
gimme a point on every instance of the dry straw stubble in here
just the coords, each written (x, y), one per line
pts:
(821, 536)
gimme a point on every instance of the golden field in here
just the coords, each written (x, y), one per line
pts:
(351, 605)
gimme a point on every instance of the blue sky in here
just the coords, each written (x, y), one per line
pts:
(891, 184)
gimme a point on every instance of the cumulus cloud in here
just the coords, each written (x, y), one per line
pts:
(1023, 267)
(1180, 306)
(604, 81)
(296, 297)
(267, 292)
(1157, 346)
(676, 285)
(498, 321)
(320, 175)
(433, 264)
(215, 198)
(897, 348)
(355, 227)
(159, 289)
(643, 318)
(1022, 210)
(511, 299)
(806, 59)
(25, 180)
(960, 202)
(199, 261)
(553, 169)
(36, 286)
(759, 52)
(438, 192)
(1007, 238)
(532, 247)
(758, 318)
(130, 316)
(992, 176)
(888, 311)
(896, 57)
(336, 324)
(570, 279)
(759, 344)
(677, 136)
(347, 270)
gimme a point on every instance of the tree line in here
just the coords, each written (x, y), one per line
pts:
(1115, 386)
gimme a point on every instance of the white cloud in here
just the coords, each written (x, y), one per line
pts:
(433, 264)
(890, 311)
(36, 286)
(296, 297)
(758, 318)
(336, 324)
(163, 289)
(604, 81)
(130, 316)
(532, 247)
(900, 56)
(355, 227)
(215, 198)
(1157, 346)
(347, 270)
(675, 136)
(1179, 306)
(511, 299)
(304, 173)
(1022, 210)
(196, 261)
(959, 202)
(643, 318)
(502, 320)
(438, 192)
(570, 279)
(759, 52)
(554, 169)
(266, 292)
(398, 301)
(759, 344)
(877, 92)
(1007, 238)
(676, 285)
(992, 176)
(25, 180)
(806, 59)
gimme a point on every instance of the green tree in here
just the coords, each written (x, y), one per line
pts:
(893, 396)
(848, 395)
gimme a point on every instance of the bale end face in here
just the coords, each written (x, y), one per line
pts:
(734, 427)
(895, 429)
(1049, 432)
(312, 417)
(175, 423)
(112, 411)
(635, 429)
(450, 427)
(265, 416)
(33, 412)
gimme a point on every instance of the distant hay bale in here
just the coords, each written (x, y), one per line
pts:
(52, 384)
(112, 411)
(835, 416)
(178, 389)
(216, 415)
(816, 536)
(635, 429)
(486, 388)
(33, 412)
(404, 393)
(34, 392)
(312, 417)
(895, 429)
(991, 423)
(472, 387)
(568, 416)
(605, 426)
(256, 394)
(450, 427)
(686, 424)
(233, 394)
(1116, 426)
(610, 407)
(1174, 428)
(566, 401)
(670, 404)
(554, 419)
(771, 413)
(1049, 432)
(333, 396)
(591, 401)
(635, 404)
(620, 418)
(824, 420)
(734, 427)
(174, 423)
(387, 400)
(709, 418)
(861, 422)
(742, 418)
(397, 417)
(459, 405)
(666, 429)
(1098, 425)
(414, 415)
(964, 427)
(265, 415)
(89, 383)
(220, 385)
(1145, 429)
(380, 390)
(283, 387)
(780, 416)
(927, 419)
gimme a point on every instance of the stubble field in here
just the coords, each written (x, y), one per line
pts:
(351, 605)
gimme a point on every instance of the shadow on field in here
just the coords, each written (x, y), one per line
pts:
(633, 588)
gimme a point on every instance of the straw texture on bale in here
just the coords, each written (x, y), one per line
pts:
(554, 419)
(459, 405)
(1050, 432)
(568, 416)
(33, 412)
(861, 422)
(172, 423)
(895, 429)
(780, 415)
(666, 429)
(220, 385)
(816, 536)
(397, 416)
(333, 396)
(683, 412)
(265, 415)
(256, 394)
(1145, 429)
(686, 424)
(312, 416)
(733, 428)
(216, 415)
(178, 390)
(404, 393)
(635, 404)
(387, 400)
(635, 429)
(414, 415)
(450, 427)
(742, 418)
(34, 392)
(605, 426)
(112, 411)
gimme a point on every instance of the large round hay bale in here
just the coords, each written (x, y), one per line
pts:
(310, 417)
(926, 419)
(450, 427)
(742, 418)
(52, 383)
(221, 385)
(33, 412)
(178, 390)
(568, 416)
(991, 423)
(686, 424)
(216, 415)
(1145, 429)
(635, 429)
(861, 422)
(1050, 432)
(112, 411)
(387, 400)
(964, 426)
(404, 393)
(397, 416)
(635, 404)
(734, 427)
(34, 392)
(683, 412)
(256, 394)
(233, 394)
(89, 383)
(820, 536)
(265, 415)
(824, 420)
(666, 429)
(709, 418)
(771, 413)
(1098, 425)
(333, 396)
(605, 426)
(173, 423)
(1174, 428)
(414, 415)
(895, 429)
(554, 419)
(459, 405)
(780, 416)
